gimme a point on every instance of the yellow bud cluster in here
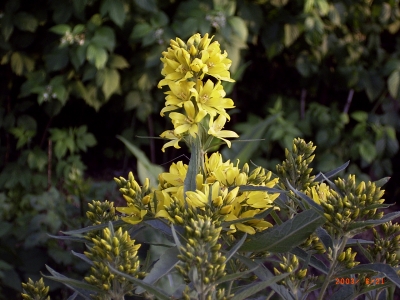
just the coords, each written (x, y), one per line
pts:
(201, 253)
(115, 248)
(346, 258)
(101, 212)
(35, 290)
(296, 168)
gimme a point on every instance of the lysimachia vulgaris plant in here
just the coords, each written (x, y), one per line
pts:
(226, 231)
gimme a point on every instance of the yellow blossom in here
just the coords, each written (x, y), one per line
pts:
(170, 135)
(210, 97)
(134, 214)
(215, 129)
(187, 123)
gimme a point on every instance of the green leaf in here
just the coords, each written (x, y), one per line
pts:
(78, 28)
(360, 116)
(393, 83)
(97, 56)
(264, 274)
(117, 13)
(111, 82)
(147, 5)
(7, 26)
(311, 259)
(146, 167)
(382, 182)
(292, 32)
(234, 276)
(235, 248)
(239, 27)
(140, 30)
(104, 37)
(17, 64)
(386, 218)
(79, 286)
(25, 21)
(251, 289)
(159, 294)
(161, 268)
(117, 62)
(244, 151)
(367, 151)
(308, 200)
(60, 29)
(284, 237)
(320, 176)
(92, 228)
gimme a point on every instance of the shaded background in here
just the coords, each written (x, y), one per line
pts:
(74, 74)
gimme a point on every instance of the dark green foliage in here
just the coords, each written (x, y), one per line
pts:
(76, 73)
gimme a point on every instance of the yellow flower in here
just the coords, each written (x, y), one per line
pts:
(218, 64)
(170, 135)
(227, 176)
(187, 123)
(319, 193)
(134, 214)
(176, 175)
(261, 199)
(210, 97)
(176, 66)
(215, 129)
(179, 93)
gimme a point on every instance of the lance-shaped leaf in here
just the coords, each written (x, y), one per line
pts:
(82, 256)
(388, 271)
(146, 169)
(284, 237)
(82, 288)
(320, 178)
(68, 238)
(307, 199)
(344, 292)
(386, 218)
(235, 248)
(244, 151)
(264, 274)
(325, 238)
(251, 289)
(162, 267)
(311, 260)
(92, 228)
(159, 294)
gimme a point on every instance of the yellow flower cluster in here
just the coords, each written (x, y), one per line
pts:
(347, 203)
(218, 193)
(196, 108)
(198, 112)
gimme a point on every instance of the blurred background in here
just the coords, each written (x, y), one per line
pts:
(75, 74)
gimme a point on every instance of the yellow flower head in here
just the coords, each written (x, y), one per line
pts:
(189, 121)
(210, 97)
(215, 129)
(174, 139)
(195, 58)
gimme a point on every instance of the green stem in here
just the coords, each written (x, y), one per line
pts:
(328, 278)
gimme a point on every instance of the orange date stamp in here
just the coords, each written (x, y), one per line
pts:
(352, 280)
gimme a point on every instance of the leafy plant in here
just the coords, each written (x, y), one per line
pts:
(228, 232)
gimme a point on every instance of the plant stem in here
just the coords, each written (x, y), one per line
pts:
(336, 253)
